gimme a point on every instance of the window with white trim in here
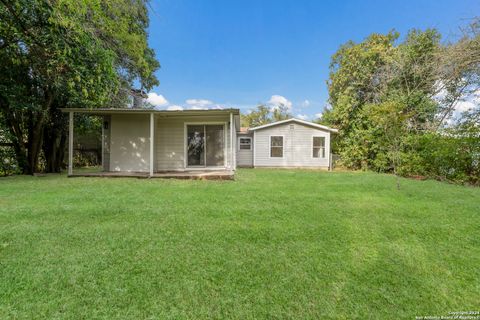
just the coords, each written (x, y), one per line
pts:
(318, 145)
(276, 146)
(245, 143)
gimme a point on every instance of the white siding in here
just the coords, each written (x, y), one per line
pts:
(170, 140)
(244, 157)
(297, 146)
(130, 143)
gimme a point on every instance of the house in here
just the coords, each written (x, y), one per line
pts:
(289, 143)
(199, 143)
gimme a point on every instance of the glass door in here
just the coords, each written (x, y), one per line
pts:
(196, 146)
(205, 145)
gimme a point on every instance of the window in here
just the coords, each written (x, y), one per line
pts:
(276, 147)
(319, 147)
(245, 143)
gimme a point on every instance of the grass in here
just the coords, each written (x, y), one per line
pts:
(272, 244)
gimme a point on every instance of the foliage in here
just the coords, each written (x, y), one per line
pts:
(264, 115)
(58, 54)
(384, 98)
(304, 246)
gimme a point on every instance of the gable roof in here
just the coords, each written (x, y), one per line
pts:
(307, 123)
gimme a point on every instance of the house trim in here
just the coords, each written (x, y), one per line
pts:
(307, 123)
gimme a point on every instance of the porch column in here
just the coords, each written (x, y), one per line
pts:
(152, 134)
(70, 143)
(231, 141)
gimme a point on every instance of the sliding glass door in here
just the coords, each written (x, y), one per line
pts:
(206, 145)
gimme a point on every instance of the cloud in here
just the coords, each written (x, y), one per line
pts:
(175, 108)
(202, 103)
(156, 100)
(302, 116)
(305, 103)
(198, 108)
(276, 100)
(318, 115)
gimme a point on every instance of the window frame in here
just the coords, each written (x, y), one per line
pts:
(240, 144)
(270, 146)
(320, 148)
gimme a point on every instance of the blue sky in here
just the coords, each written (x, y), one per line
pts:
(217, 54)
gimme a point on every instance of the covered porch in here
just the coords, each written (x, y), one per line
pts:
(145, 143)
(192, 175)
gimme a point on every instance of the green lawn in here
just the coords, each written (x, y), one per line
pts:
(272, 244)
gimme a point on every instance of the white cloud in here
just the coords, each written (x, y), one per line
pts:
(218, 107)
(276, 100)
(305, 103)
(156, 100)
(198, 108)
(202, 103)
(318, 115)
(302, 116)
(175, 108)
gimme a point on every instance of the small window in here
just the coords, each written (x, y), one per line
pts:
(245, 143)
(319, 147)
(292, 127)
(276, 146)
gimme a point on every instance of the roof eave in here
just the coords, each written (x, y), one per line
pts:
(102, 111)
(319, 126)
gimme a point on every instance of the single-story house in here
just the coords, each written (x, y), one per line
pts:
(200, 143)
(290, 143)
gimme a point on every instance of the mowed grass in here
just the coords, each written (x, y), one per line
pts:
(272, 244)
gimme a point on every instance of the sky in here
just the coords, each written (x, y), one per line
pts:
(238, 54)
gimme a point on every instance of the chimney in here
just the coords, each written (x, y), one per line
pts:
(138, 96)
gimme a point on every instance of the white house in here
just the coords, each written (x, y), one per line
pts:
(199, 143)
(289, 143)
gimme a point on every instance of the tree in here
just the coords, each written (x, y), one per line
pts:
(377, 73)
(280, 112)
(264, 115)
(60, 54)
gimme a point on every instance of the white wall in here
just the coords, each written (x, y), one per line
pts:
(130, 142)
(297, 150)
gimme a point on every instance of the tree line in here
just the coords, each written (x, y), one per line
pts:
(60, 53)
(396, 104)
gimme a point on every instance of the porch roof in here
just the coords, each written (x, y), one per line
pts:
(105, 111)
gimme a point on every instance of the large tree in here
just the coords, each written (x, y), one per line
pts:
(62, 53)
(378, 73)
(395, 103)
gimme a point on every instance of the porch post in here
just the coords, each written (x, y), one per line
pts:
(152, 133)
(70, 143)
(231, 141)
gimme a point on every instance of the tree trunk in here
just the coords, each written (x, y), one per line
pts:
(12, 121)
(35, 138)
(54, 141)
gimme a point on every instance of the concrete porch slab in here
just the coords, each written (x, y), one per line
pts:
(193, 175)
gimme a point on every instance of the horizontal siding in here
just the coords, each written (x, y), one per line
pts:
(130, 143)
(170, 140)
(297, 146)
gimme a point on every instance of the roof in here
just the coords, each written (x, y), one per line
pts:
(102, 111)
(307, 123)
